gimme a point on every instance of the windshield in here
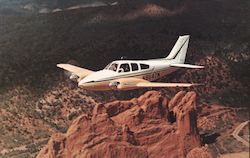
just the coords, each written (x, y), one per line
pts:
(112, 66)
(107, 66)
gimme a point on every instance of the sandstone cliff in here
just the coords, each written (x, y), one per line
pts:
(140, 128)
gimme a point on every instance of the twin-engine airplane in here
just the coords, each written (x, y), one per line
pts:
(133, 74)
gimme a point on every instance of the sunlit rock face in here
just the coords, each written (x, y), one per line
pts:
(135, 128)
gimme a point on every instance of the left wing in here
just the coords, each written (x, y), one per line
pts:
(132, 83)
(80, 72)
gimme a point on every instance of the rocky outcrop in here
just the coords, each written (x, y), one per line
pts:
(184, 108)
(199, 153)
(135, 128)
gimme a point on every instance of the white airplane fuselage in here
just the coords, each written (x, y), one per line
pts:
(100, 80)
(133, 74)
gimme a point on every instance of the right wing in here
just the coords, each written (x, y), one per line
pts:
(158, 84)
(80, 72)
(132, 83)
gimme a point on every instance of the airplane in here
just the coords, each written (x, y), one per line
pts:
(134, 74)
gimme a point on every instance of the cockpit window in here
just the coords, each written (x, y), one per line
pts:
(107, 66)
(124, 68)
(144, 66)
(113, 67)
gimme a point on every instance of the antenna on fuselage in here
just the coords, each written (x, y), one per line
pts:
(123, 57)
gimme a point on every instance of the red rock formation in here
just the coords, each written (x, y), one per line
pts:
(137, 128)
(199, 153)
(186, 119)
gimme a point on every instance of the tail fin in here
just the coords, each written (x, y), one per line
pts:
(180, 49)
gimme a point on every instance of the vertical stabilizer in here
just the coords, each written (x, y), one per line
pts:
(180, 49)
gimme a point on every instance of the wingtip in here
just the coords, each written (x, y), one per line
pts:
(199, 66)
(60, 65)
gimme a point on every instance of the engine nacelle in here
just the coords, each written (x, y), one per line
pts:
(114, 84)
(73, 77)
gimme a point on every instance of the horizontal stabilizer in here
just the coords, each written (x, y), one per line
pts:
(187, 66)
(80, 72)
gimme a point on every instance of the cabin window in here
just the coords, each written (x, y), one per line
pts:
(134, 66)
(113, 67)
(144, 66)
(124, 68)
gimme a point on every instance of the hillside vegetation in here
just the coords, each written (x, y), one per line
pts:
(31, 45)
